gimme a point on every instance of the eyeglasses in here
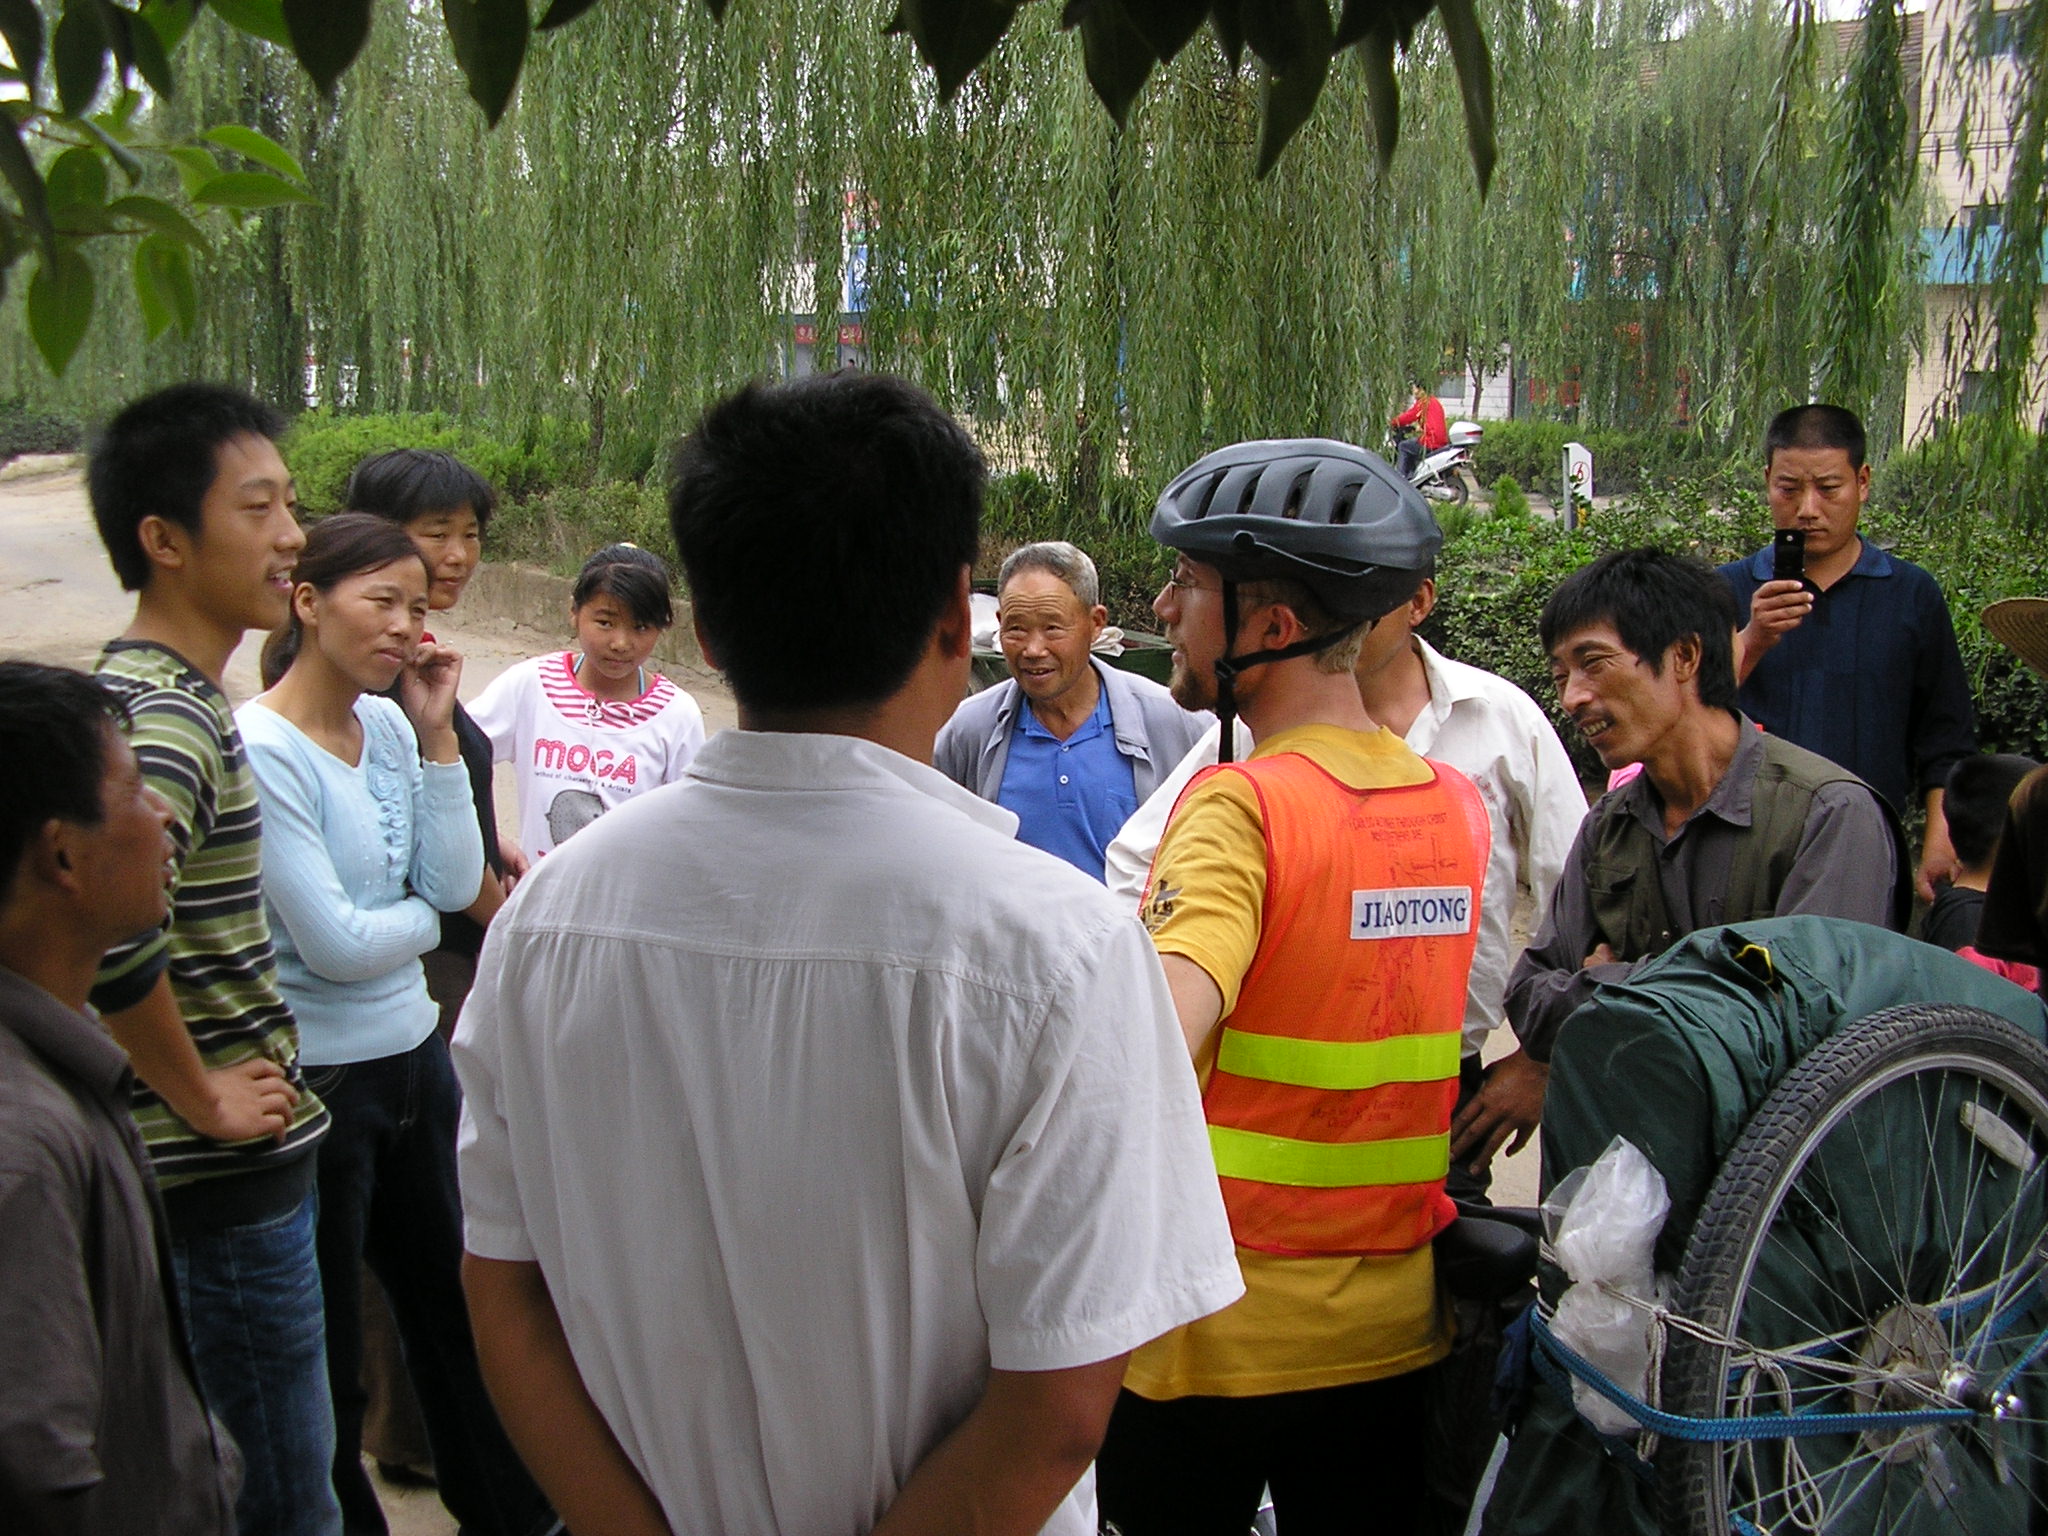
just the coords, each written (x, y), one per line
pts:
(1183, 580)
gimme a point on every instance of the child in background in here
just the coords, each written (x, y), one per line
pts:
(1978, 790)
(588, 729)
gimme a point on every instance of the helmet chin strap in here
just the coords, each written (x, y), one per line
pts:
(1229, 667)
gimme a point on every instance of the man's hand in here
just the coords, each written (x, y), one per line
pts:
(1776, 608)
(1603, 954)
(1937, 854)
(237, 1103)
(250, 1099)
(1509, 1103)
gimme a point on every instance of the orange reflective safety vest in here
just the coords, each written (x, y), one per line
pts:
(1329, 1108)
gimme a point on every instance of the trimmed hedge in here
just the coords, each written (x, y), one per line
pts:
(25, 431)
(323, 449)
(1623, 462)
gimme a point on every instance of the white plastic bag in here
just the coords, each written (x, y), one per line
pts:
(1603, 1223)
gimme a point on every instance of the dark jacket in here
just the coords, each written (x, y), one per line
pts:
(102, 1425)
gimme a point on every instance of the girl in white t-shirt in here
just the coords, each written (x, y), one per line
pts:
(587, 729)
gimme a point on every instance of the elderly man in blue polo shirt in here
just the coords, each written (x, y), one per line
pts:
(1071, 745)
(1858, 661)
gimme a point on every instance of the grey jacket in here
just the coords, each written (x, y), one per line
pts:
(1151, 730)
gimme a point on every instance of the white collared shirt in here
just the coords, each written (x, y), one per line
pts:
(814, 1094)
(1500, 739)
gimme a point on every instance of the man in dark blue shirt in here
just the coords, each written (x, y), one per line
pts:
(1858, 662)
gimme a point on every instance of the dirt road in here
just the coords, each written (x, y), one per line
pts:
(59, 601)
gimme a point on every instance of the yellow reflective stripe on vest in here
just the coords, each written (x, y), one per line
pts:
(1340, 1064)
(1326, 1164)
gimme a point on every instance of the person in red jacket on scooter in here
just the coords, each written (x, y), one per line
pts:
(1427, 414)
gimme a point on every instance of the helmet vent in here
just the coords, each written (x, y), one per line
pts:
(1297, 493)
(1208, 496)
(1342, 508)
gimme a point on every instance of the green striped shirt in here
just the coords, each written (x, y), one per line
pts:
(216, 947)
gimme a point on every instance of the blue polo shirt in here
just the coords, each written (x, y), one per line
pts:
(1071, 797)
(1871, 679)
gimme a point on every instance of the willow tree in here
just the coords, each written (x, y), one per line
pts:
(668, 196)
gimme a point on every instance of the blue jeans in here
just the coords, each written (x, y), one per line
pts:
(388, 1195)
(251, 1297)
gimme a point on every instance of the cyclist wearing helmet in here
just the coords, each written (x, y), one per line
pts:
(1315, 908)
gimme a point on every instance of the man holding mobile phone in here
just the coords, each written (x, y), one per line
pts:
(1844, 649)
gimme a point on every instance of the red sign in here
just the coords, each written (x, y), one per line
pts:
(852, 335)
(806, 334)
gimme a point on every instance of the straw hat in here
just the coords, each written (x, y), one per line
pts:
(2021, 623)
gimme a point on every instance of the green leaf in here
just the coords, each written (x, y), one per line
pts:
(327, 35)
(196, 167)
(1167, 25)
(161, 217)
(255, 146)
(1226, 18)
(27, 182)
(76, 176)
(22, 25)
(60, 305)
(1117, 56)
(1286, 34)
(164, 285)
(119, 114)
(249, 189)
(123, 156)
(561, 13)
(490, 46)
(954, 36)
(170, 20)
(117, 27)
(152, 62)
(1357, 21)
(1382, 91)
(258, 18)
(1475, 82)
(80, 55)
(1293, 42)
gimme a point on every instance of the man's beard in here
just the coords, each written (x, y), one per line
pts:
(1190, 691)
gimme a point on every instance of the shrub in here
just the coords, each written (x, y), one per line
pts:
(24, 431)
(323, 449)
(1508, 500)
(1973, 465)
(560, 528)
(1493, 580)
(1623, 461)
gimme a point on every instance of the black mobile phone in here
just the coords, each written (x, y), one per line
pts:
(1788, 555)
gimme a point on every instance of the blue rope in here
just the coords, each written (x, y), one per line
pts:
(1674, 1426)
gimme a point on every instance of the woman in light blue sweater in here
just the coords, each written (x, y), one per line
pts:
(369, 834)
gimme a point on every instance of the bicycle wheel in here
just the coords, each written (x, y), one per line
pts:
(1876, 1242)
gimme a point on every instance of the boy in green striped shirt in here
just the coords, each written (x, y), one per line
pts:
(197, 513)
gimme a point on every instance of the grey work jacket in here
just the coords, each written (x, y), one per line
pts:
(1150, 729)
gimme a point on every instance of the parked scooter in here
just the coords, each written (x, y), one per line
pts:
(1440, 475)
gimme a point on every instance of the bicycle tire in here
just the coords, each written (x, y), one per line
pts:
(1871, 1267)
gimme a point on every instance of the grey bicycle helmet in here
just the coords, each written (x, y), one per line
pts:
(1333, 516)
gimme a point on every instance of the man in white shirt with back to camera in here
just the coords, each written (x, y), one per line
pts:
(826, 1150)
(1500, 739)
